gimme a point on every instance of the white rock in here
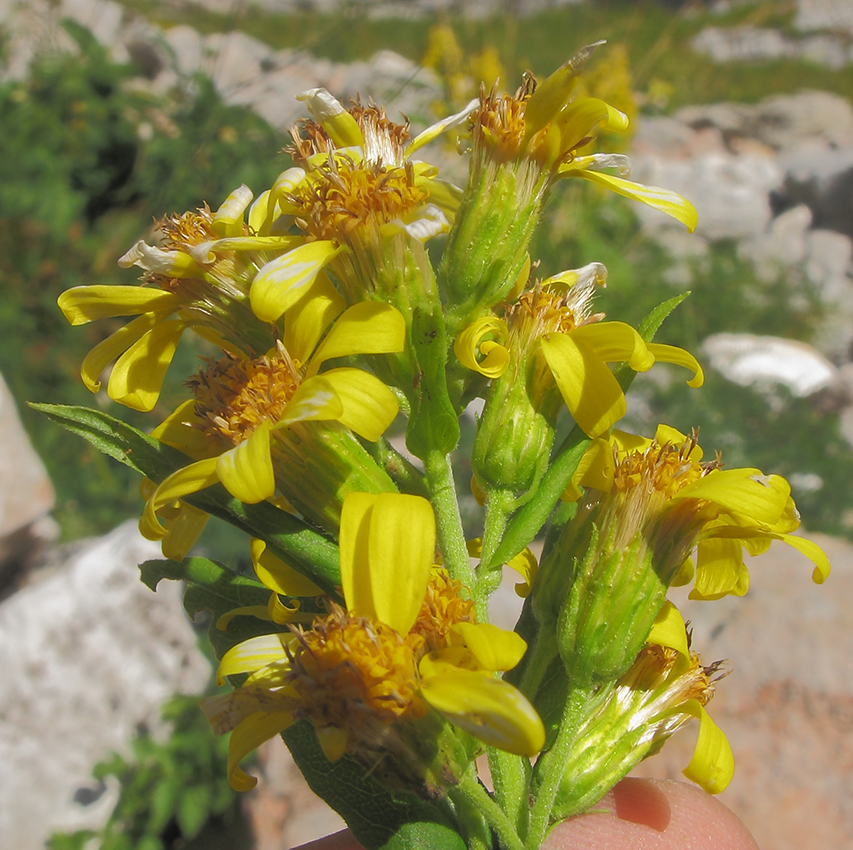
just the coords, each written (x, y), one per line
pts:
(103, 18)
(187, 47)
(751, 360)
(783, 244)
(88, 654)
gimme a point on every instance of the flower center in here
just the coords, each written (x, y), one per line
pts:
(499, 122)
(551, 309)
(341, 197)
(234, 395)
(191, 228)
(350, 671)
(664, 469)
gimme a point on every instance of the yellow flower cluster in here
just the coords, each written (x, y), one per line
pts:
(330, 320)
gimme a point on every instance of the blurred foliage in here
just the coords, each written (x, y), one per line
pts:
(87, 160)
(173, 795)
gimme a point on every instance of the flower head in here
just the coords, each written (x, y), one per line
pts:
(662, 489)
(405, 650)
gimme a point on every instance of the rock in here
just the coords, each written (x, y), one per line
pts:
(752, 44)
(824, 15)
(787, 707)
(89, 654)
(759, 361)
(26, 496)
(784, 243)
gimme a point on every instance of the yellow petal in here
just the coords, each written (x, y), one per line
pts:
(248, 736)
(672, 354)
(494, 648)
(314, 399)
(107, 350)
(183, 430)
(327, 111)
(595, 470)
(277, 575)
(472, 343)
(369, 407)
(685, 574)
(83, 304)
(713, 764)
(667, 202)
(553, 93)
(207, 252)
(489, 709)
(246, 471)
(137, 377)
(579, 119)
(435, 130)
(720, 570)
(228, 219)
(613, 342)
(284, 281)
(183, 532)
(527, 566)
(188, 480)
(591, 393)
(253, 654)
(261, 612)
(368, 327)
(308, 318)
(742, 492)
(669, 630)
(284, 184)
(387, 550)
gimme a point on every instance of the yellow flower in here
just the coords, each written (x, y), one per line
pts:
(553, 338)
(199, 279)
(355, 185)
(542, 125)
(245, 407)
(406, 645)
(663, 486)
(688, 688)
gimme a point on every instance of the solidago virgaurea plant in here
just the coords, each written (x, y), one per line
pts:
(365, 639)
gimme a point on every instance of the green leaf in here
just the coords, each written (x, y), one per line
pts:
(217, 589)
(193, 810)
(377, 818)
(291, 539)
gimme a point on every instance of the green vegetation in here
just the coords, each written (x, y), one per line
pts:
(86, 163)
(173, 795)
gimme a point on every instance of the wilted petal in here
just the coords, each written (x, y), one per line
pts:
(473, 341)
(248, 736)
(188, 480)
(277, 575)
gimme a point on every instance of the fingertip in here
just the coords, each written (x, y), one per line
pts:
(650, 814)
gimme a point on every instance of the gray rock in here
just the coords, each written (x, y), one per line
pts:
(26, 496)
(88, 655)
(787, 707)
(783, 244)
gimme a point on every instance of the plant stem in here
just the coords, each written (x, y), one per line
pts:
(549, 769)
(451, 537)
(511, 775)
(471, 790)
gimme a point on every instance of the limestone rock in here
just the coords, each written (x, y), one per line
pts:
(758, 361)
(787, 707)
(824, 15)
(88, 654)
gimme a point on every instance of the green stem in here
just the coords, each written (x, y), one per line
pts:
(474, 827)
(402, 471)
(471, 789)
(451, 537)
(549, 769)
(527, 521)
(510, 776)
(498, 508)
(540, 655)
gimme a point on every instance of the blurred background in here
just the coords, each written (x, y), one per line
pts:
(113, 114)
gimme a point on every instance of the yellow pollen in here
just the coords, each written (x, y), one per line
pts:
(663, 468)
(191, 228)
(544, 310)
(341, 197)
(499, 122)
(235, 395)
